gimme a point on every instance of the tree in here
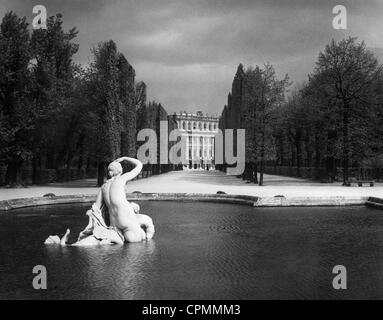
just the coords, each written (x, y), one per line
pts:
(255, 96)
(16, 114)
(294, 118)
(347, 73)
(104, 95)
(128, 104)
(250, 105)
(269, 94)
(53, 94)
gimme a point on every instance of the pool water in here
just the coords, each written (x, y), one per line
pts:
(200, 251)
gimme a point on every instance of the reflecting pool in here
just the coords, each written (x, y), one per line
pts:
(199, 251)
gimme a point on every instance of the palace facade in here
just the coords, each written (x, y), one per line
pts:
(199, 131)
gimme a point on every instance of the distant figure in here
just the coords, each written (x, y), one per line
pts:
(126, 223)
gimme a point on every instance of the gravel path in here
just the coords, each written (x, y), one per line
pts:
(205, 182)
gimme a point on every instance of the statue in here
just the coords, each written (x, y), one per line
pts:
(125, 221)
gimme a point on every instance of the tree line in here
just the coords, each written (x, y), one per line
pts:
(59, 116)
(329, 128)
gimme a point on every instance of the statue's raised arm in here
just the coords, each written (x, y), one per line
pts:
(128, 175)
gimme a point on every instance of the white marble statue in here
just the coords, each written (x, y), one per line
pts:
(125, 221)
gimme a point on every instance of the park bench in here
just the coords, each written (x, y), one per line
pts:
(360, 182)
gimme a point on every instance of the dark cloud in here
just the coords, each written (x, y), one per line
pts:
(187, 51)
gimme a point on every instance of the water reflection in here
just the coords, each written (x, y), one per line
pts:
(111, 271)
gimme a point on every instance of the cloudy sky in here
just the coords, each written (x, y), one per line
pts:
(187, 51)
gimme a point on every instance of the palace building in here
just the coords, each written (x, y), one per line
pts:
(199, 131)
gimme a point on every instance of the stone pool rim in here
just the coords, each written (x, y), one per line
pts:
(254, 201)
